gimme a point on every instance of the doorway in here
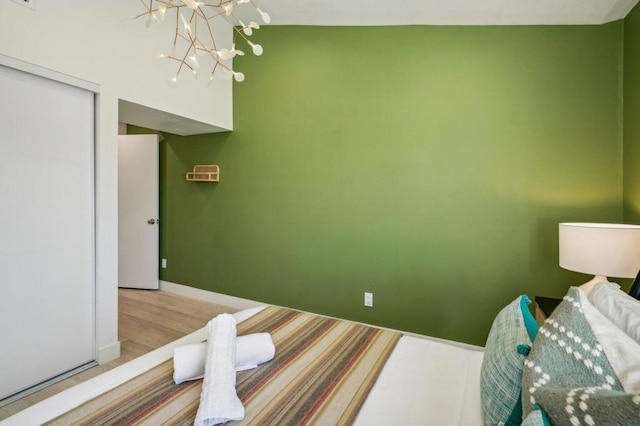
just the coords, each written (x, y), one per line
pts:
(138, 211)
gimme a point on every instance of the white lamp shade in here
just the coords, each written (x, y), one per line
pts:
(606, 249)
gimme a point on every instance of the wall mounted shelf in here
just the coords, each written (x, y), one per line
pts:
(204, 173)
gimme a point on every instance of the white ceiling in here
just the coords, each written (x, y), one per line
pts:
(443, 12)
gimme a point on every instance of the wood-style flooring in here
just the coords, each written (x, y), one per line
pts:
(147, 320)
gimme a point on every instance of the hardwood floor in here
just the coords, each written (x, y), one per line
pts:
(147, 320)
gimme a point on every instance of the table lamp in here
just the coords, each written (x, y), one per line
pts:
(603, 250)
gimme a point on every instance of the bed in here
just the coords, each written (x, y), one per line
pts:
(409, 380)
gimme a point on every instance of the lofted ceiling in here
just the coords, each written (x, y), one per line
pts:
(444, 12)
(399, 12)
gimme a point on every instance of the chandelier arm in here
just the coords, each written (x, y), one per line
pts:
(175, 38)
(181, 63)
(234, 25)
(239, 32)
(193, 35)
(204, 16)
(146, 12)
(188, 40)
(192, 41)
(200, 12)
(194, 44)
(195, 24)
(215, 67)
(253, 3)
(169, 4)
(222, 64)
(217, 5)
(218, 13)
(141, 15)
(213, 40)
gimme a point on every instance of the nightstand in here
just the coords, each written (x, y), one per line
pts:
(544, 307)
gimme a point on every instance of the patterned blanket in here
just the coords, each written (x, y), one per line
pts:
(582, 370)
(322, 372)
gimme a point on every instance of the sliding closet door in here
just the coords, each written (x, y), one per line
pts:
(47, 267)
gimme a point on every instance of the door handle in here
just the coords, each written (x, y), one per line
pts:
(151, 221)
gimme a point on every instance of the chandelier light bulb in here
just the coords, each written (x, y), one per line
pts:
(238, 76)
(149, 21)
(161, 11)
(191, 4)
(256, 48)
(235, 52)
(246, 29)
(194, 61)
(173, 81)
(265, 16)
(224, 54)
(243, 1)
(185, 24)
(228, 9)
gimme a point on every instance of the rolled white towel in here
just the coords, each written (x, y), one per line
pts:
(219, 402)
(251, 350)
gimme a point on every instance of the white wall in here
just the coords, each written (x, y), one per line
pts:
(98, 42)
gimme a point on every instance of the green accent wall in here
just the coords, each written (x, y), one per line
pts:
(428, 165)
(632, 117)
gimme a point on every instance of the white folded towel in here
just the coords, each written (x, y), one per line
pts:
(251, 350)
(219, 402)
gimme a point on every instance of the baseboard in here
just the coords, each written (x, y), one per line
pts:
(240, 303)
(209, 296)
(108, 353)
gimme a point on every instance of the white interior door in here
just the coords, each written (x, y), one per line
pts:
(47, 231)
(138, 211)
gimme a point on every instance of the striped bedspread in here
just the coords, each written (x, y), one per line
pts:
(321, 374)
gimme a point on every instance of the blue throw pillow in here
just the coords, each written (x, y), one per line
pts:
(507, 347)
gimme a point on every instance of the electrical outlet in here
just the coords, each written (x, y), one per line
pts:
(368, 299)
(31, 4)
(164, 263)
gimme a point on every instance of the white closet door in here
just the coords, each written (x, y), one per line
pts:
(47, 300)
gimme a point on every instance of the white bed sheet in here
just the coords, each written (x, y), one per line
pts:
(424, 381)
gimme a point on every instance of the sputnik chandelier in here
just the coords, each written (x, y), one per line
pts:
(194, 37)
